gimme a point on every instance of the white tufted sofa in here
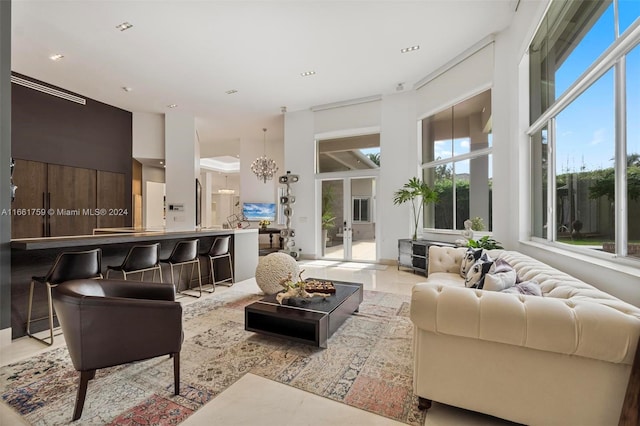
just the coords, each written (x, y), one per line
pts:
(560, 359)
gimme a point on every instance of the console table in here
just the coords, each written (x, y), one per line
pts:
(414, 254)
(271, 231)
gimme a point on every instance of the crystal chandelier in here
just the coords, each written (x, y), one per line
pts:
(263, 167)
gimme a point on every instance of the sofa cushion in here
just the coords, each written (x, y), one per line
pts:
(445, 259)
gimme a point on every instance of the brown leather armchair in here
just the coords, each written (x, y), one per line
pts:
(112, 322)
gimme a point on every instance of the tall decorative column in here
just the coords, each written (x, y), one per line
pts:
(288, 200)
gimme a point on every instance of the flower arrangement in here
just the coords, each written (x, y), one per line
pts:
(264, 223)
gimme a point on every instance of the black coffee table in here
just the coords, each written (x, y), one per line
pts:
(310, 321)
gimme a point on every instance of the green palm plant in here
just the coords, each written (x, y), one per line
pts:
(412, 191)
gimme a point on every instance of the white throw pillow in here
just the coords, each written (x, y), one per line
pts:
(499, 281)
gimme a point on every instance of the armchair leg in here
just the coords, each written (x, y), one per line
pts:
(176, 373)
(424, 403)
(85, 376)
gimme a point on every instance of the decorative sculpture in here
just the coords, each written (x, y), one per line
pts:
(467, 233)
(288, 200)
(296, 289)
(272, 268)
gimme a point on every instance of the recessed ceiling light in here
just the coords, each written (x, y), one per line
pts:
(307, 73)
(162, 162)
(409, 49)
(124, 26)
(172, 105)
(231, 92)
(56, 57)
(126, 89)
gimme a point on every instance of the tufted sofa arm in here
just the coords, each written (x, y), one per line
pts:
(582, 328)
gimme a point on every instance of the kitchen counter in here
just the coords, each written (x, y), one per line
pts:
(35, 256)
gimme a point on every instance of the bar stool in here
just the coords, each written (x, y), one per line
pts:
(218, 250)
(184, 253)
(68, 266)
(141, 258)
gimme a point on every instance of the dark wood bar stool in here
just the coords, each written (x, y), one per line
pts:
(185, 253)
(219, 249)
(68, 266)
(140, 259)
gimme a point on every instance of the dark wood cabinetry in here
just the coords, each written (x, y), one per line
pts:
(415, 254)
(31, 197)
(54, 200)
(111, 199)
(72, 198)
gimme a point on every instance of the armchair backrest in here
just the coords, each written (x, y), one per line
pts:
(112, 322)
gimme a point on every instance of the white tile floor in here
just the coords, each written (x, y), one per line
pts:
(257, 401)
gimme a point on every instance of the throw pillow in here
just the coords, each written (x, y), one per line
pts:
(471, 256)
(477, 272)
(501, 277)
(526, 287)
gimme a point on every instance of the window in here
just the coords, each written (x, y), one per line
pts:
(361, 210)
(349, 153)
(585, 175)
(456, 162)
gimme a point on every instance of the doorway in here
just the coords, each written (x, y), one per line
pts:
(348, 223)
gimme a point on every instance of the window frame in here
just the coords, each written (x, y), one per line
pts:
(360, 198)
(612, 58)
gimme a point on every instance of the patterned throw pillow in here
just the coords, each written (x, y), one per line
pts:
(501, 277)
(471, 256)
(477, 272)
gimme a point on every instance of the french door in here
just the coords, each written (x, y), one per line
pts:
(347, 221)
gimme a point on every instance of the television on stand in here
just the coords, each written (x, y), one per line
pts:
(259, 211)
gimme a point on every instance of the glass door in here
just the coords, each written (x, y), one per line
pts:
(348, 219)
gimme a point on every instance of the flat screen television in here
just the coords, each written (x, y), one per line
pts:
(259, 211)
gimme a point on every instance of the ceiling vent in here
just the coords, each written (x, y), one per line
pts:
(48, 90)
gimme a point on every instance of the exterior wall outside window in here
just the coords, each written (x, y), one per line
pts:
(584, 140)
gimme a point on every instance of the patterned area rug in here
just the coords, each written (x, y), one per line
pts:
(368, 365)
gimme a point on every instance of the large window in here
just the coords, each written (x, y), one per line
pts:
(456, 162)
(585, 138)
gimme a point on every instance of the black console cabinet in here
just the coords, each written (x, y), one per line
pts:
(415, 254)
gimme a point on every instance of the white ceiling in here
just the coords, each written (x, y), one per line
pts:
(190, 53)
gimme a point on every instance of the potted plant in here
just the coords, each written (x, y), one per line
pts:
(328, 218)
(419, 193)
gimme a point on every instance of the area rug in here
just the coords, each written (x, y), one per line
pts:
(341, 264)
(368, 365)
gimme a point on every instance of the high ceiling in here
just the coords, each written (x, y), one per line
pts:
(191, 53)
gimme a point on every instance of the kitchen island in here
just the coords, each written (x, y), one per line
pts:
(34, 256)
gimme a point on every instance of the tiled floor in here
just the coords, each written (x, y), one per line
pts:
(257, 401)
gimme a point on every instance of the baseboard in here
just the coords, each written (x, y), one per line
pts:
(5, 337)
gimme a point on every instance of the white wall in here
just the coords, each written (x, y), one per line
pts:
(298, 158)
(182, 168)
(148, 135)
(151, 174)
(398, 162)
(154, 205)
